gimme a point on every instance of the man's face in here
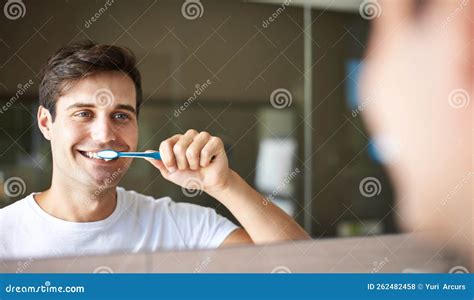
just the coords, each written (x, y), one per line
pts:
(423, 84)
(97, 113)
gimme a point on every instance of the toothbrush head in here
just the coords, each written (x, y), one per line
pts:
(108, 154)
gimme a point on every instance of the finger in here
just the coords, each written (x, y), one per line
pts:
(167, 154)
(179, 149)
(214, 147)
(193, 153)
(158, 164)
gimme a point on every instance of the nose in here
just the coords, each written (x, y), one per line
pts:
(103, 130)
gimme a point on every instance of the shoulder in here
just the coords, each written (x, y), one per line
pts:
(16, 207)
(13, 214)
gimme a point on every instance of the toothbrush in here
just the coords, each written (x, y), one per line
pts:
(112, 154)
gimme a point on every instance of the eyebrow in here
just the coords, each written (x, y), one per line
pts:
(118, 106)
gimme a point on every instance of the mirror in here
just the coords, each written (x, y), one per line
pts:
(282, 95)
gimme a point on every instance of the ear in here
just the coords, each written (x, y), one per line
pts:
(45, 122)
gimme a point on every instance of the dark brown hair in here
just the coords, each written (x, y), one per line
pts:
(79, 60)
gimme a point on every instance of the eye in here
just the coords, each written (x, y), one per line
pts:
(83, 114)
(121, 116)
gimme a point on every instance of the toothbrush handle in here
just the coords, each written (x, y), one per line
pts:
(154, 155)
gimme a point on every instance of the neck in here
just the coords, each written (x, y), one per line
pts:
(83, 204)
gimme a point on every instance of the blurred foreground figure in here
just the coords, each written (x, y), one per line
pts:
(418, 77)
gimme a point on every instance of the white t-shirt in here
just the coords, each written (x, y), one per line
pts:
(138, 223)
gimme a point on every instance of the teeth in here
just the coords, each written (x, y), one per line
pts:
(91, 155)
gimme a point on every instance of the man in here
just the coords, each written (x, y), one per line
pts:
(420, 64)
(90, 96)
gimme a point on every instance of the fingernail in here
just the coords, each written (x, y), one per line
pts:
(172, 170)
